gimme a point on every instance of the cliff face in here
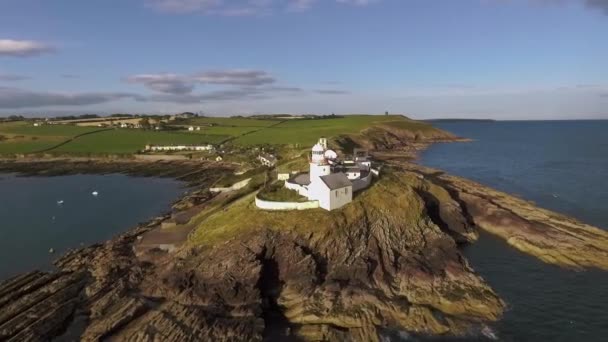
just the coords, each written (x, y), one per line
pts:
(382, 264)
(397, 135)
(387, 262)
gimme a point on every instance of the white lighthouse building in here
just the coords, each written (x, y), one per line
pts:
(331, 181)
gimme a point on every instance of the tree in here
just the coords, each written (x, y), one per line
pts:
(145, 122)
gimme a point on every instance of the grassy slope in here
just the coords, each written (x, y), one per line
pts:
(124, 141)
(23, 137)
(305, 132)
(242, 216)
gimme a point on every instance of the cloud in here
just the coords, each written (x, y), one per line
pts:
(598, 4)
(23, 48)
(184, 84)
(235, 77)
(12, 78)
(70, 76)
(241, 93)
(332, 92)
(12, 98)
(240, 7)
(164, 83)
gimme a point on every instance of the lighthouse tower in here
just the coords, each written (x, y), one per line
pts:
(318, 164)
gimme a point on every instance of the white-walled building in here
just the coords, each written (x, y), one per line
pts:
(267, 159)
(156, 148)
(331, 182)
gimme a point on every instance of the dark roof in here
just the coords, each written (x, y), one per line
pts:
(269, 157)
(336, 181)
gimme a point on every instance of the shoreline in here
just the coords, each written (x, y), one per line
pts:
(456, 205)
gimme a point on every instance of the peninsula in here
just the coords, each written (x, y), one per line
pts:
(222, 267)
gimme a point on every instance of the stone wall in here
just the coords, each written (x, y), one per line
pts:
(271, 205)
(157, 157)
(363, 183)
(234, 187)
(300, 189)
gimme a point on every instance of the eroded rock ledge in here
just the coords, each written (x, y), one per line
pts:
(387, 262)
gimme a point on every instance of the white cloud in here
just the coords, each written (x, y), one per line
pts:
(12, 77)
(23, 48)
(13, 98)
(184, 84)
(241, 7)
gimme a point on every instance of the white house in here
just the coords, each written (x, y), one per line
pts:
(191, 128)
(333, 191)
(331, 181)
(267, 159)
(156, 148)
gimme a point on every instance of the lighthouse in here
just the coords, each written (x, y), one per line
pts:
(318, 164)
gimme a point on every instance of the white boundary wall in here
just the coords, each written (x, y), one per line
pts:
(300, 189)
(362, 183)
(270, 205)
(234, 187)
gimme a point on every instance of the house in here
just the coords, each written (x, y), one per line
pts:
(267, 159)
(185, 115)
(283, 176)
(333, 191)
(191, 128)
(331, 181)
(219, 158)
(156, 148)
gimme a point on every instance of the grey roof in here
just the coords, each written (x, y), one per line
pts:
(336, 181)
(269, 157)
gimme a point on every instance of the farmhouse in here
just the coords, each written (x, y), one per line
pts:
(267, 159)
(331, 181)
(157, 148)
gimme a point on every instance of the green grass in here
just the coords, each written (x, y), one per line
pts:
(24, 137)
(125, 141)
(23, 128)
(306, 132)
(245, 132)
(238, 122)
(226, 131)
(278, 193)
(242, 216)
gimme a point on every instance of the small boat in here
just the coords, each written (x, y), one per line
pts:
(95, 193)
(60, 202)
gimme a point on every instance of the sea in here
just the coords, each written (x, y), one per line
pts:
(42, 217)
(559, 165)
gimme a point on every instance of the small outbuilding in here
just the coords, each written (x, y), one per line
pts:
(333, 191)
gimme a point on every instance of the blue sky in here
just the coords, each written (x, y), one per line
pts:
(504, 59)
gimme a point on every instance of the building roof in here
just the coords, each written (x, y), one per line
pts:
(271, 158)
(336, 181)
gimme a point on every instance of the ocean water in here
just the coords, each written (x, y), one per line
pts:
(562, 166)
(33, 219)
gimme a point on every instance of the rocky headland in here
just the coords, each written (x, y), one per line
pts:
(387, 263)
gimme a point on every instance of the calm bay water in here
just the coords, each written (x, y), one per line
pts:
(33, 220)
(561, 166)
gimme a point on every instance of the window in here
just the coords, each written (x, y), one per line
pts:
(336, 192)
(346, 191)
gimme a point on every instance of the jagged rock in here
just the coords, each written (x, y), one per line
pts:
(387, 262)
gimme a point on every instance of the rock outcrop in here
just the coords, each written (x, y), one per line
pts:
(549, 236)
(387, 262)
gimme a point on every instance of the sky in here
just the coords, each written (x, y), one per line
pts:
(500, 59)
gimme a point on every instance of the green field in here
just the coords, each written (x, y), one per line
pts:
(233, 122)
(23, 137)
(305, 132)
(125, 141)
